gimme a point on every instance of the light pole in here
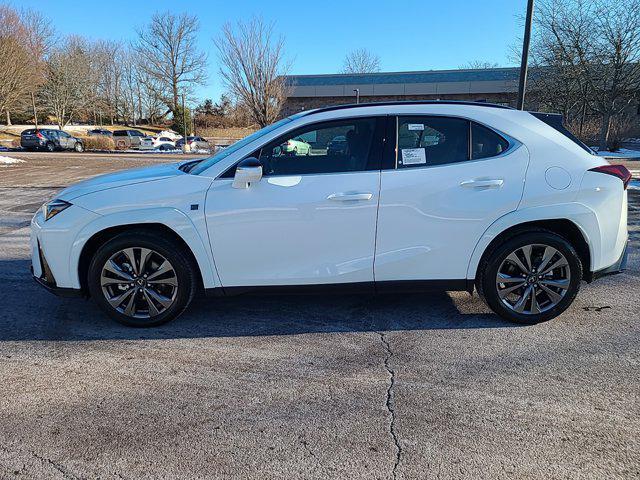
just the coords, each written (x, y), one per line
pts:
(357, 92)
(185, 146)
(522, 86)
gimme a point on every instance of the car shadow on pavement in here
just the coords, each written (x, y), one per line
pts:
(30, 313)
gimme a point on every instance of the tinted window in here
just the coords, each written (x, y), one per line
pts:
(120, 133)
(427, 141)
(486, 143)
(312, 150)
(135, 133)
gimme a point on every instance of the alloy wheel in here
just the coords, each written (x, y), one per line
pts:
(139, 282)
(533, 279)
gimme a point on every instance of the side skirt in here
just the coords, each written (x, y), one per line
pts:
(395, 286)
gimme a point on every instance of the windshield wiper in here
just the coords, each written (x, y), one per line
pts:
(188, 166)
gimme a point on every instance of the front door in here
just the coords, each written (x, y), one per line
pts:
(453, 179)
(312, 217)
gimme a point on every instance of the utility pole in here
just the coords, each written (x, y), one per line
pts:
(357, 92)
(525, 55)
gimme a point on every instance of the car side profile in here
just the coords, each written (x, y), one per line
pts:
(49, 139)
(125, 139)
(422, 196)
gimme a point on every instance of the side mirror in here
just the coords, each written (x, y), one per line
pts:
(248, 171)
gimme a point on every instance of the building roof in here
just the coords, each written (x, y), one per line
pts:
(431, 82)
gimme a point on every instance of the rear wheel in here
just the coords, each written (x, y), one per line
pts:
(141, 279)
(78, 147)
(531, 278)
(50, 147)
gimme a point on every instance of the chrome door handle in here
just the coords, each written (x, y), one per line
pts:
(483, 184)
(348, 197)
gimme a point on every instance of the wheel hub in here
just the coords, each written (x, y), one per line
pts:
(533, 279)
(139, 282)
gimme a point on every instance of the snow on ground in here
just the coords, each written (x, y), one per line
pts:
(9, 160)
(621, 153)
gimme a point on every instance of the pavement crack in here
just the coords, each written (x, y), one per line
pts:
(391, 402)
(61, 468)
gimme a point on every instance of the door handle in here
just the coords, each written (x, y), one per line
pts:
(483, 184)
(349, 197)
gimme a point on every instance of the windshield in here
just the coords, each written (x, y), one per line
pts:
(208, 162)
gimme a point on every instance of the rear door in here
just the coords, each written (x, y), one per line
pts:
(452, 179)
(312, 217)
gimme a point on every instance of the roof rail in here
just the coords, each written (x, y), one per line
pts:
(409, 102)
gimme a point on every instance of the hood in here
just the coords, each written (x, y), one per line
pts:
(120, 179)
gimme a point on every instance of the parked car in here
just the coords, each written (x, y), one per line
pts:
(100, 131)
(195, 143)
(163, 143)
(479, 196)
(132, 139)
(296, 146)
(49, 139)
(337, 145)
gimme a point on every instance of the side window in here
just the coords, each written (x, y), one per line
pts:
(485, 142)
(328, 147)
(427, 141)
(120, 133)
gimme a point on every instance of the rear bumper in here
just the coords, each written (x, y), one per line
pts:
(618, 267)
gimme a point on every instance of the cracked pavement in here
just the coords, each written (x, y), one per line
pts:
(400, 386)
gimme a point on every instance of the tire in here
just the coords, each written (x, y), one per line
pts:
(553, 292)
(182, 271)
(78, 147)
(50, 147)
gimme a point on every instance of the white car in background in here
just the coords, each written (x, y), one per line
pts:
(425, 195)
(163, 143)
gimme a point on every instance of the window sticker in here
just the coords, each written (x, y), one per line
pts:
(415, 126)
(413, 156)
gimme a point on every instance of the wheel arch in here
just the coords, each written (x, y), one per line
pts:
(99, 238)
(189, 233)
(564, 227)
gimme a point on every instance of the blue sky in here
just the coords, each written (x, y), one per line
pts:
(406, 34)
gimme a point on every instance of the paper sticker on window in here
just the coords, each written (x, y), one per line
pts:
(415, 126)
(413, 156)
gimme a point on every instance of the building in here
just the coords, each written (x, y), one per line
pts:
(495, 85)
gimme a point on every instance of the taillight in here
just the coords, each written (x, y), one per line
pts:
(40, 136)
(619, 171)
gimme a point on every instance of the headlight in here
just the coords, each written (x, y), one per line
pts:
(54, 207)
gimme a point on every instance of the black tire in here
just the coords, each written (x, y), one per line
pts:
(491, 262)
(182, 264)
(78, 147)
(50, 147)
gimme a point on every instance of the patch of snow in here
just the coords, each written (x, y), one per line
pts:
(9, 160)
(621, 153)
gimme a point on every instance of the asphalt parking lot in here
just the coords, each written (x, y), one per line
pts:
(403, 386)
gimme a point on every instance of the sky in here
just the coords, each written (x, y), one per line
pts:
(405, 34)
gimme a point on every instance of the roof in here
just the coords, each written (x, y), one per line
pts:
(428, 76)
(433, 82)
(408, 102)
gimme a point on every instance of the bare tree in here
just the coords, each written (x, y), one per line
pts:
(479, 65)
(252, 67)
(588, 54)
(168, 46)
(24, 41)
(361, 61)
(67, 91)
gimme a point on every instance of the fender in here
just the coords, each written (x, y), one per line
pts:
(581, 215)
(172, 218)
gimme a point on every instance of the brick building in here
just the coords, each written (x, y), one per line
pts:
(495, 85)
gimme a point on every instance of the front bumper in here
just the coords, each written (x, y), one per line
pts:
(53, 288)
(618, 267)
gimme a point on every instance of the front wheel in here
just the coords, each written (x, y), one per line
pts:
(531, 278)
(78, 147)
(141, 279)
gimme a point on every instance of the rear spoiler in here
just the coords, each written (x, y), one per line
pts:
(556, 121)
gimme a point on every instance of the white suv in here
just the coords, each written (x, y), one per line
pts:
(422, 195)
